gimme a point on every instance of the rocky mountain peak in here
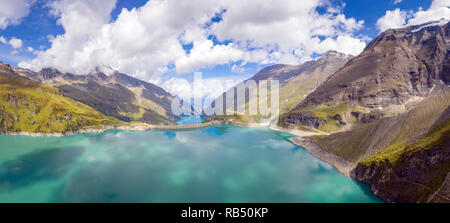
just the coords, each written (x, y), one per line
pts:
(333, 53)
(106, 70)
(429, 25)
(49, 73)
(5, 67)
(395, 66)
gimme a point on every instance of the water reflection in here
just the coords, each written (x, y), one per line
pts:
(217, 164)
(39, 166)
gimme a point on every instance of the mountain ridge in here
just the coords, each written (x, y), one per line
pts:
(296, 81)
(387, 112)
(112, 93)
(30, 106)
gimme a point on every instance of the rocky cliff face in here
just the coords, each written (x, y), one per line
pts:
(397, 67)
(423, 176)
(112, 93)
(393, 100)
(398, 64)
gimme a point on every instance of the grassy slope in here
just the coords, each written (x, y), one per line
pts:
(390, 133)
(323, 112)
(395, 151)
(300, 80)
(29, 106)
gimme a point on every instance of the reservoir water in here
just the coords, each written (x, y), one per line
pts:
(216, 164)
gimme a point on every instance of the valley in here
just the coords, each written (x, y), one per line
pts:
(381, 117)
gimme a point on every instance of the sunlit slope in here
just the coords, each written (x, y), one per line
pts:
(112, 93)
(385, 137)
(29, 106)
(296, 82)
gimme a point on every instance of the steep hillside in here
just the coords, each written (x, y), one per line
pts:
(30, 106)
(296, 81)
(389, 112)
(412, 169)
(397, 67)
(112, 93)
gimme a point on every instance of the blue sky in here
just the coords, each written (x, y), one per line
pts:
(160, 40)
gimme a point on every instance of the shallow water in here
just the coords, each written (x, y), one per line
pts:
(216, 164)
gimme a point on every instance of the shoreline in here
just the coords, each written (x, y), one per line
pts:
(342, 166)
(56, 134)
(140, 127)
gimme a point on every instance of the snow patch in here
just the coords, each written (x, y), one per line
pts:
(107, 70)
(431, 24)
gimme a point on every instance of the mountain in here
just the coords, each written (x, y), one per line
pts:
(30, 106)
(297, 81)
(398, 67)
(112, 93)
(388, 112)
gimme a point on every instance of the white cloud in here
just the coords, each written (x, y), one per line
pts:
(12, 11)
(284, 25)
(397, 2)
(439, 9)
(148, 41)
(30, 49)
(204, 54)
(392, 20)
(399, 18)
(237, 69)
(14, 52)
(208, 89)
(344, 44)
(15, 43)
(3, 40)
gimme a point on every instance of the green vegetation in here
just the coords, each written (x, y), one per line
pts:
(121, 100)
(330, 126)
(396, 157)
(29, 106)
(395, 151)
(324, 113)
(295, 91)
(388, 133)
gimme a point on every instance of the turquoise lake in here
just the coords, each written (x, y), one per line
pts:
(216, 164)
